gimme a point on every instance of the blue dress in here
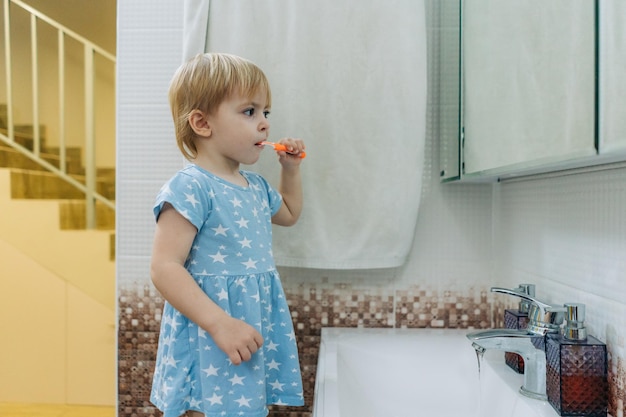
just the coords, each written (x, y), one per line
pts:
(231, 260)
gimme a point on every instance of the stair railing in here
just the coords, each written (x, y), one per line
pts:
(91, 50)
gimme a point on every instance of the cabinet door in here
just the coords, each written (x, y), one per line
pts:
(447, 71)
(528, 83)
(612, 69)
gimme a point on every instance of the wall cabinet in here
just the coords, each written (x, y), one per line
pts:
(543, 86)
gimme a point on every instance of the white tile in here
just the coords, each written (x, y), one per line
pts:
(146, 143)
(146, 62)
(149, 14)
(135, 221)
(133, 271)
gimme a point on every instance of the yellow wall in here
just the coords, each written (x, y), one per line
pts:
(57, 317)
(57, 308)
(58, 345)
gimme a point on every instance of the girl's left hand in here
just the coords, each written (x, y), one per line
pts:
(292, 156)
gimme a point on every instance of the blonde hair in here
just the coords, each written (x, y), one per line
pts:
(203, 83)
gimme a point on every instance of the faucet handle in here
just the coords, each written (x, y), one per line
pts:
(528, 289)
(520, 292)
(543, 318)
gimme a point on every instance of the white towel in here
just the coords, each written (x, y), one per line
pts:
(350, 79)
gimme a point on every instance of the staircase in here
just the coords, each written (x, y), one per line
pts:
(63, 276)
(85, 89)
(57, 216)
(34, 200)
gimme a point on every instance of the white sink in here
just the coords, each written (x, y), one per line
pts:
(415, 372)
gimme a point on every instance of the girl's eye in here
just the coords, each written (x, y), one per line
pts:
(251, 112)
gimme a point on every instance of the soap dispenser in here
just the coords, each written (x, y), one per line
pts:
(576, 368)
(518, 319)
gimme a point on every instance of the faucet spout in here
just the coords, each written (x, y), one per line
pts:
(524, 343)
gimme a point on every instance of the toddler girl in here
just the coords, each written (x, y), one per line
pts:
(227, 345)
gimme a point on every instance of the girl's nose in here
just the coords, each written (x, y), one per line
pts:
(264, 124)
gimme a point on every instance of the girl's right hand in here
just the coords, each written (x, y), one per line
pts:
(237, 339)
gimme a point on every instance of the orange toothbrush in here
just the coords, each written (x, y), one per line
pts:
(279, 147)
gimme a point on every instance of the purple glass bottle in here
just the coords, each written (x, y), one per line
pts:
(576, 369)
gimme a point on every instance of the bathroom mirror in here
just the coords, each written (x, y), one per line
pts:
(612, 77)
(528, 92)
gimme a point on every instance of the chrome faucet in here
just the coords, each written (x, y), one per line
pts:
(543, 318)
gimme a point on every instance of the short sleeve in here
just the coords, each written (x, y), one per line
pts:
(189, 197)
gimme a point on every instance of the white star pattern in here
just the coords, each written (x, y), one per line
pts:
(193, 403)
(271, 346)
(168, 340)
(250, 264)
(277, 385)
(220, 230)
(191, 198)
(211, 371)
(165, 388)
(215, 399)
(218, 257)
(242, 223)
(243, 401)
(245, 243)
(273, 365)
(236, 202)
(170, 361)
(231, 261)
(237, 380)
(171, 321)
(223, 295)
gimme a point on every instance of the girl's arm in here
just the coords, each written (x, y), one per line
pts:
(173, 238)
(290, 184)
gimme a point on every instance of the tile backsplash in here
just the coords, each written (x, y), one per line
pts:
(313, 306)
(317, 305)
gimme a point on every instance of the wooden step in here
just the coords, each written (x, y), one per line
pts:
(3, 116)
(45, 185)
(73, 156)
(24, 135)
(73, 215)
(12, 158)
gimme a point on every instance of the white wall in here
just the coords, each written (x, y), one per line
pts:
(453, 218)
(567, 234)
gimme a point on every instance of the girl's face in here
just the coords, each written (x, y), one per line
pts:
(239, 125)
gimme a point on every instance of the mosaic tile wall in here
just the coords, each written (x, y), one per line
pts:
(313, 306)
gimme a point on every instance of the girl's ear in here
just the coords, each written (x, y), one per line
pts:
(199, 123)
